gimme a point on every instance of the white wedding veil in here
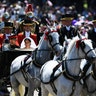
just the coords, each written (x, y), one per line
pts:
(33, 45)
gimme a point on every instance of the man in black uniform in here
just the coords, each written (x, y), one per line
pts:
(66, 30)
(92, 32)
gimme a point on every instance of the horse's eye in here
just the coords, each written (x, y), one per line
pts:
(50, 38)
(82, 45)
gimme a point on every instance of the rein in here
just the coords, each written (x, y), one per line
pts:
(67, 74)
(63, 67)
(65, 71)
(86, 57)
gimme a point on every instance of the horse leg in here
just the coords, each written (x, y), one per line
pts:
(26, 91)
(78, 89)
(39, 94)
(30, 87)
(84, 92)
(15, 85)
(16, 90)
(44, 91)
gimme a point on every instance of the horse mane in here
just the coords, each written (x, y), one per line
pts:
(71, 44)
(40, 41)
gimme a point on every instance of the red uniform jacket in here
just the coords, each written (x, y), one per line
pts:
(21, 36)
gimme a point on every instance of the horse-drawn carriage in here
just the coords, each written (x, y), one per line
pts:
(48, 43)
(6, 58)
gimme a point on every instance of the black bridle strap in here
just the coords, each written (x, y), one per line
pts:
(67, 74)
(86, 52)
(54, 45)
(89, 51)
(88, 58)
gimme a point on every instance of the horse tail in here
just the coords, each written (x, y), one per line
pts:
(21, 90)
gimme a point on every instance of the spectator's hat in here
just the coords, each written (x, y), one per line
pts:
(67, 17)
(27, 22)
(13, 37)
(8, 25)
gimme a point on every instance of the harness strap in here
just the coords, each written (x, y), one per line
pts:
(53, 87)
(23, 69)
(67, 74)
(37, 64)
(73, 88)
(52, 77)
(70, 77)
(24, 75)
(85, 69)
(55, 69)
(27, 57)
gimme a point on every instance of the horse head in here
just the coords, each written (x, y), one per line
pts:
(86, 47)
(48, 46)
(52, 37)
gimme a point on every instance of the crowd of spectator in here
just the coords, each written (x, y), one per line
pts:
(15, 12)
(53, 8)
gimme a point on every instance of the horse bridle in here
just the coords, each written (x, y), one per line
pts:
(86, 57)
(53, 45)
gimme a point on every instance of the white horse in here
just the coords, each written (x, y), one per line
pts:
(63, 78)
(29, 75)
